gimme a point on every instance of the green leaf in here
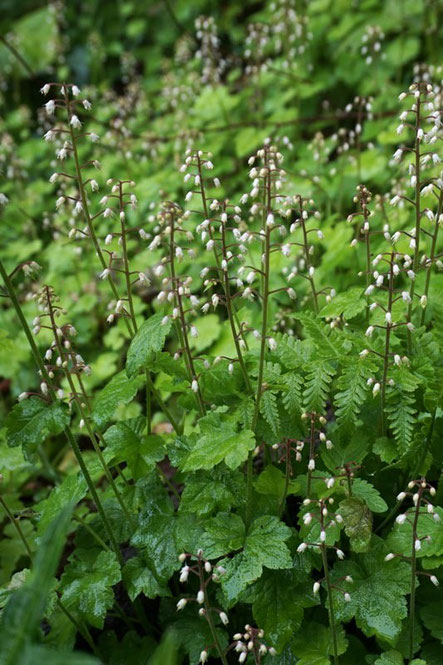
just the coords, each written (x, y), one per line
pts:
(352, 393)
(120, 390)
(25, 609)
(377, 592)
(194, 635)
(313, 644)
(149, 339)
(156, 532)
(220, 489)
(219, 440)
(71, 490)
(390, 658)
(401, 416)
(32, 421)
(223, 534)
(400, 539)
(272, 481)
(321, 335)
(367, 492)
(349, 304)
(357, 520)
(264, 546)
(269, 410)
(318, 380)
(292, 397)
(139, 578)
(87, 589)
(277, 608)
(126, 442)
(432, 616)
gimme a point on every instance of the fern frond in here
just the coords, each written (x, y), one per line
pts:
(269, 411)
(317, 384)
(400, 410)
(292, 396)
(352, 393)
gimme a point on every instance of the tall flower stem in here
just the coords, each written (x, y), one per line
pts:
(387, 346)
(413, 575)
(182, 326)
(85, 207)
(307, 257)
(330, 602)
(234, 322)
(266, 231)
(103, 262)
(84, 415)
(229, 307)
(417, 203)
(68, 432)
(432, 254)
(208, 614)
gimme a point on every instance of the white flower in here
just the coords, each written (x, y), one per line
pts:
(184, 574)
(46, 88)
(270, 220)
(347, 598)
(181, 604)
(94, 138)
(400, 519)
(340, 554)
(301, 548)
(417, 545)
(75, 122)
(22, 396)
(224, 618)
(322, 536)
(369, 331)
(75, 90)
(194, 386)
(272, 344)
(203, 656)
(106, 272)
(311, 464)
(434, 580)
(87, 105)
(201, 597)
(316, 587)
(389, 557)
(50, 107)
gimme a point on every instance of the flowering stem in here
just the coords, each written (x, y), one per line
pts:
(85, 207)
(432, 254)
(182, 329)
(311, 455)
(208, 614)
(68, 432)
(417, 215)
(330, 602)
(227, 289)
(387, 343)
(306, 248)
(83, 415)
(413, 575)
(233, 318)
(104, 264)
(267, 247)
